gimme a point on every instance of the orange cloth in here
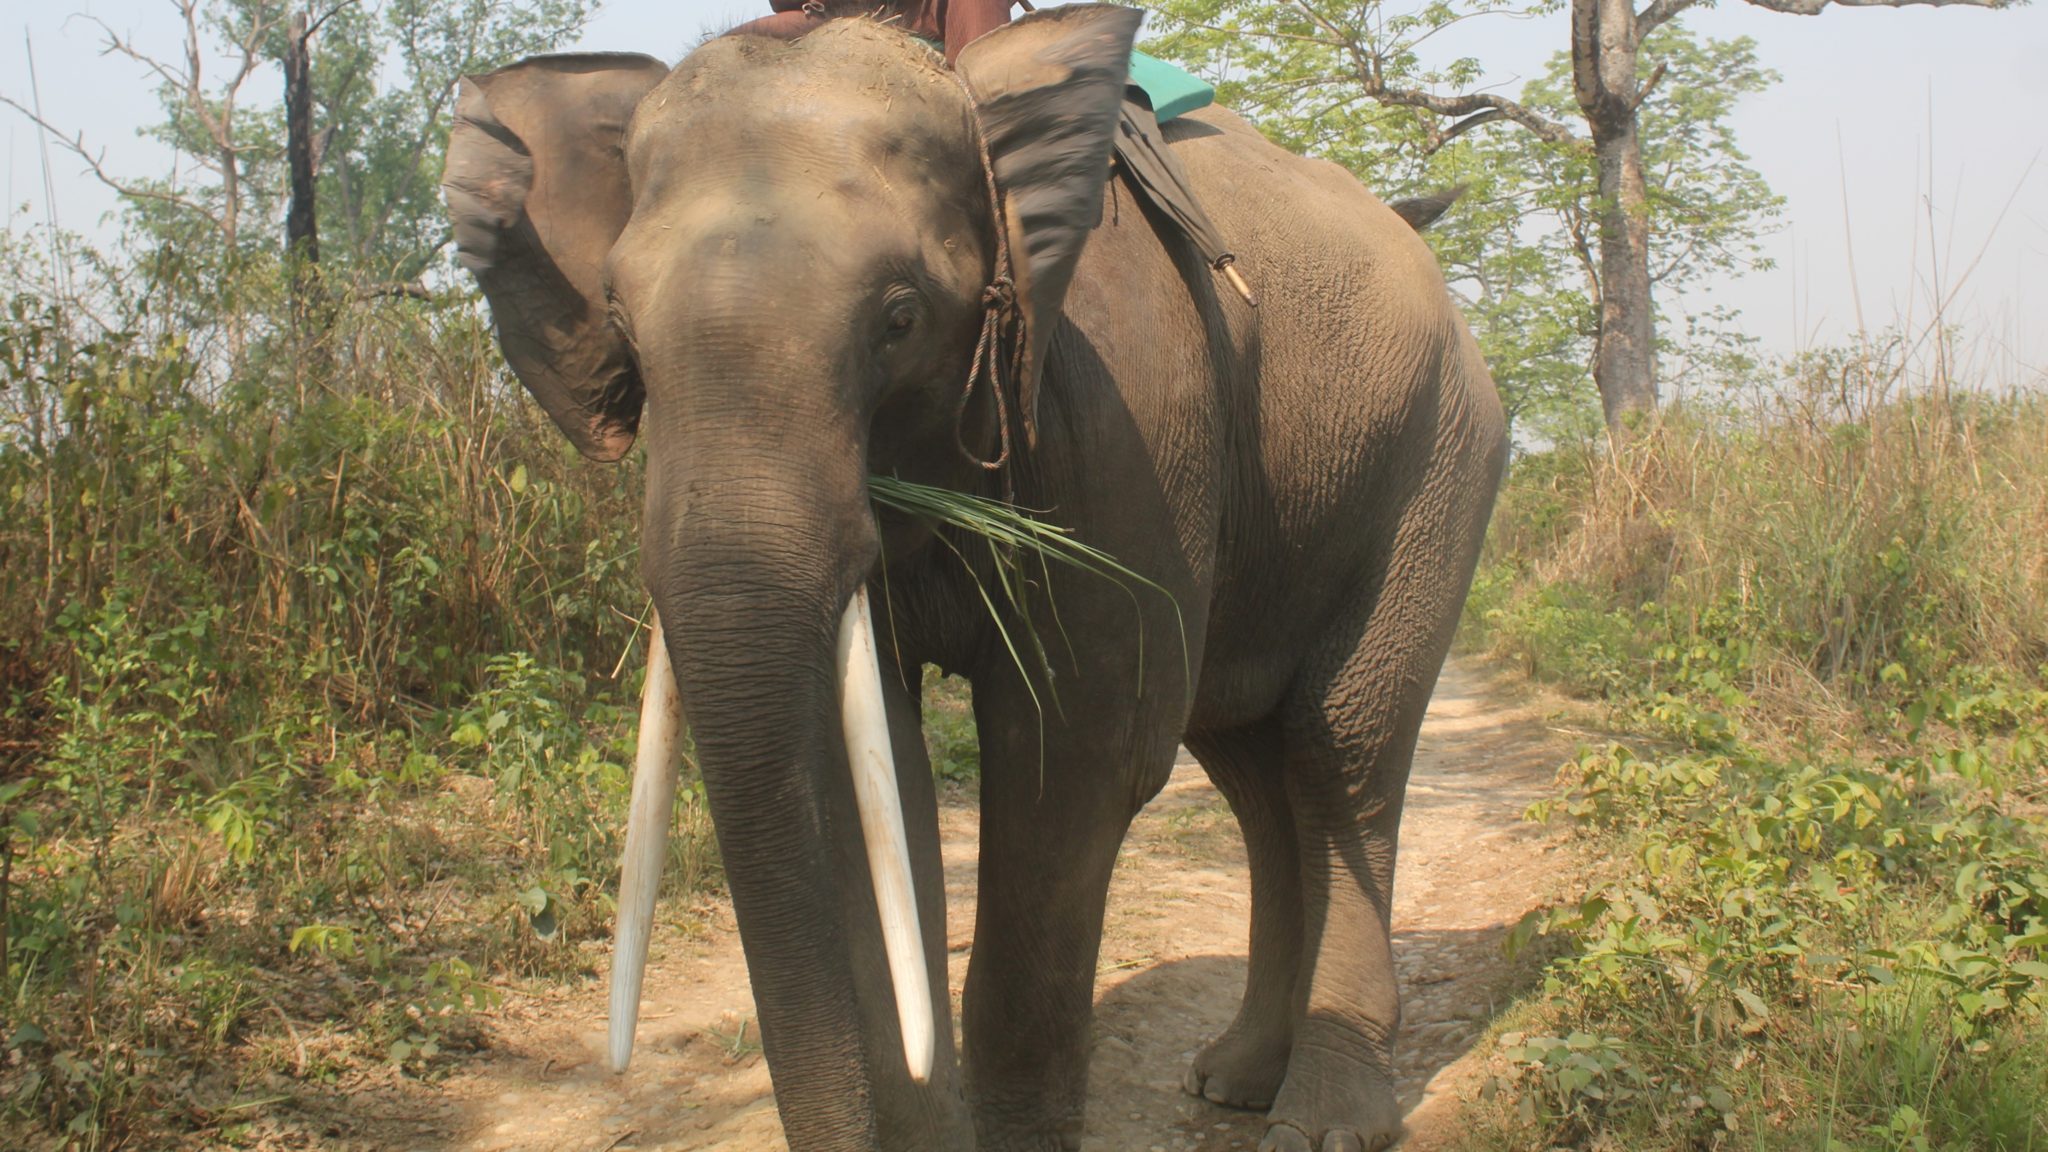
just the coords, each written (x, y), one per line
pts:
(955, 23)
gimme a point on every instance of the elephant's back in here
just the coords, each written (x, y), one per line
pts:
(1350, 293)
(1360, 390)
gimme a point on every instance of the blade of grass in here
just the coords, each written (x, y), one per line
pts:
(1011, 530)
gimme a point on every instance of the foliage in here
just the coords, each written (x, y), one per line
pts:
(949, 728)
(1820, 913)
(1810, 948)
(1521, 249)
(384, 80)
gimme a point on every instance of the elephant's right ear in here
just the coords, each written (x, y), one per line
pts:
(1047, 90)
(537, 191)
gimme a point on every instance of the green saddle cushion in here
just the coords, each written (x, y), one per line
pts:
(1173, 90)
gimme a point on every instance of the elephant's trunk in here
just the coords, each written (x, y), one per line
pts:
(759, 540)
(865, 723)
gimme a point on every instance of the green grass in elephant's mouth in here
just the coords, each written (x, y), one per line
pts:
(1017, 540)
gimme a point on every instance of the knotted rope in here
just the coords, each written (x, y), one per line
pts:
(999, 316)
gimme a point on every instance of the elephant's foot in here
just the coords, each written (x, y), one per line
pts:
(1068, 1139)
(1242, 1068)
(1041, 1143)
(1028, 1127)
(1338, 1096)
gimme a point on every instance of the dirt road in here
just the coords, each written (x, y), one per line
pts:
(1172, 969)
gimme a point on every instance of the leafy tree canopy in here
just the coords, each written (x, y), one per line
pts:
(1520, 249)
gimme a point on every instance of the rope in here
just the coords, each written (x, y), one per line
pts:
(998, 315)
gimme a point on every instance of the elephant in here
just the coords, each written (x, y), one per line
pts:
(786, 266)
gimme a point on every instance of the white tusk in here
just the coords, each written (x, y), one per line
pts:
(866, 724)
(654, 799)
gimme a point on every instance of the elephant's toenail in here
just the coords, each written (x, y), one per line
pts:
(1342, 1141)
(1285, 1137)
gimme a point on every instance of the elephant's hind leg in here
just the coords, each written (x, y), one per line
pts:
(1243, 1067)
(1350, 725)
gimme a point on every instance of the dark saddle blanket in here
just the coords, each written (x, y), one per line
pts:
(1153, 172)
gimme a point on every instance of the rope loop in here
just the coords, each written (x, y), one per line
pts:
(1001, 324)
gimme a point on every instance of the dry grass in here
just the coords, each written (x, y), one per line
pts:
(1834, 527)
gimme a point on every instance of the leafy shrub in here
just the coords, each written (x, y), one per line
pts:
(949, 728)
(1820, 913)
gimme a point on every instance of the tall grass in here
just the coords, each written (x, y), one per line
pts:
(1835, 523)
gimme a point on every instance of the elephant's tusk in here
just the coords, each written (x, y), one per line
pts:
(654, 798)
(866, 724)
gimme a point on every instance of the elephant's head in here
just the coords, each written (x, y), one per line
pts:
(773, 264)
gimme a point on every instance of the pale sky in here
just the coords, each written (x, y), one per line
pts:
(1867, 94)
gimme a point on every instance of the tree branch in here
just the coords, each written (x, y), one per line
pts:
(1648, 86)
(313, 26)
(1369, 68)
(1471, 104)
(1813, 7)
(75, 144)
(1657, 13)
(1437, 139)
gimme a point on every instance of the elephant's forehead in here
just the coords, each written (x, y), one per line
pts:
(853, 75)
(865, 111)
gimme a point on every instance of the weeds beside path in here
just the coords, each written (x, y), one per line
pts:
(1816, 913)
(1171, 973)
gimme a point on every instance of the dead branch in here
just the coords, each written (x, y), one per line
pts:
(74, 143)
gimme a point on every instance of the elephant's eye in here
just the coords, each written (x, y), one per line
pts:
(902, 310)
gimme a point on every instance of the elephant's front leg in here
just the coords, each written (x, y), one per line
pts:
(1050, 831)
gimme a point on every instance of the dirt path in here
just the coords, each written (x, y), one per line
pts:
(1172, 970)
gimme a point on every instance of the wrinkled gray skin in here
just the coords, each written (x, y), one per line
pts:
(792, 239)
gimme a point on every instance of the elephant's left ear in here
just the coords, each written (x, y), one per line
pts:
(538, 193)
(1047, 91)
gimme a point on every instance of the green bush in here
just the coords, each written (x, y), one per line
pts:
(1819, 912)
(949, 728)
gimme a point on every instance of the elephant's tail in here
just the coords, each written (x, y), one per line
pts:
(1422, 211)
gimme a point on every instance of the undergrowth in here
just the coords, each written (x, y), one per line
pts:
(318, 673)
(1820, 916)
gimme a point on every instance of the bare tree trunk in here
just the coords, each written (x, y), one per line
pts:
(301, 221)
(1625, 360)
(301, 227)
(1604, 42)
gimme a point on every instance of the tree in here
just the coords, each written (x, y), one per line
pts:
(384, 80)
(354, 150)
(1303, 55)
